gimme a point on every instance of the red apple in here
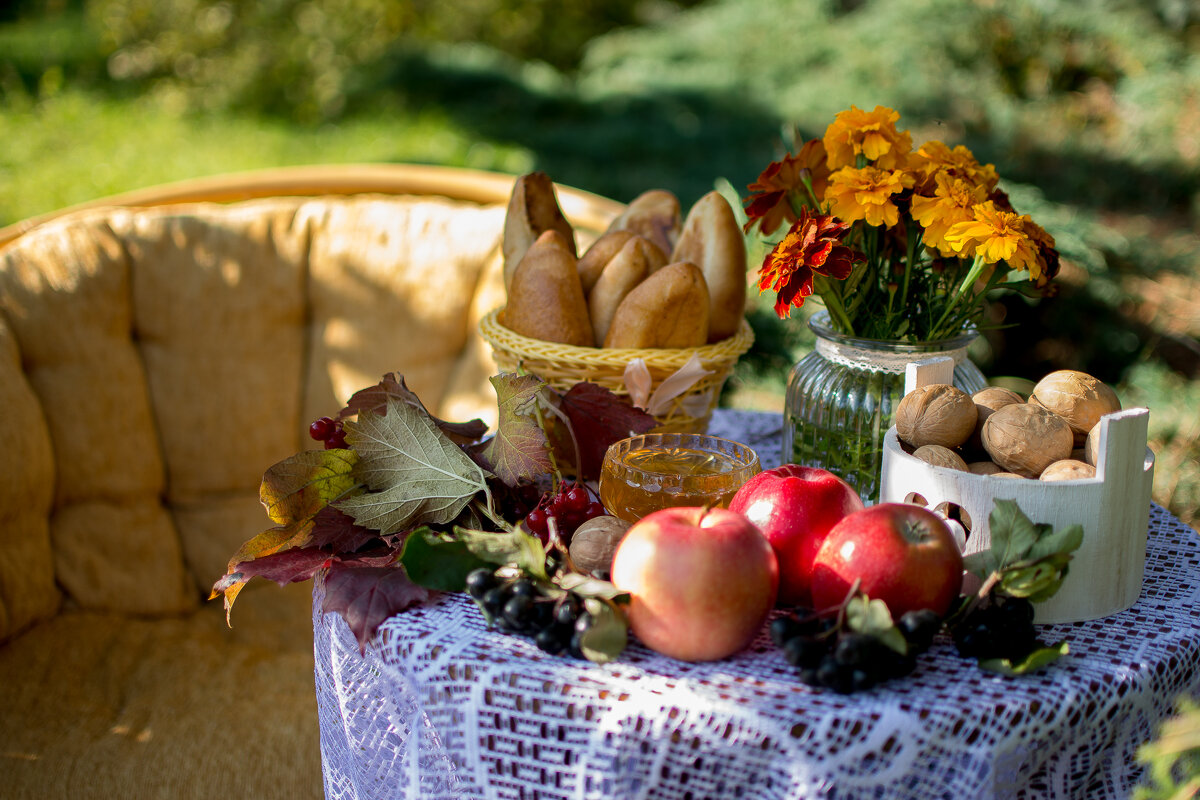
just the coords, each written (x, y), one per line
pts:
(903, 554)
(701, 581)
(795, 507)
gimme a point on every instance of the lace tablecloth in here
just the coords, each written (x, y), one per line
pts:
(440, 707)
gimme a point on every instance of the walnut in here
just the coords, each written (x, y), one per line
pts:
(935, 414)
(984, 467)
(1068, 470)
(1007, 475)
(1091, 446)
(1025, 438)
(986, 401)
(940, 456)
(594, 543)
(1077, 397)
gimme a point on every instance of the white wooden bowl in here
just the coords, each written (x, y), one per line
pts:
(1105, 575)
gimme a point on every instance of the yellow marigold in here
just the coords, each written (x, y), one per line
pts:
(935, 157)
(866, 194)
(996, 235)
(871, 133)
(951, 203)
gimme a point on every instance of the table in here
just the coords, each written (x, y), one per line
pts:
(440, 707)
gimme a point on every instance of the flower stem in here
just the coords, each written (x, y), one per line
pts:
(967, 282)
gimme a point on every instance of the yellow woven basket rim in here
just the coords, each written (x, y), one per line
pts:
(605, 358)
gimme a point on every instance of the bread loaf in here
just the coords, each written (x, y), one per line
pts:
(532, 209)
(623, 272)
(545, 300)
(592, 262)
(653, 215)
(668, 309)
(712, 240)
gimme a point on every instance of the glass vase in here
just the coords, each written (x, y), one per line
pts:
(842, 397)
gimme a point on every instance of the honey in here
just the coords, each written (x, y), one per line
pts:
(647, 473)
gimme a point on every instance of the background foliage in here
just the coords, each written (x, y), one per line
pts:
(1088, 108)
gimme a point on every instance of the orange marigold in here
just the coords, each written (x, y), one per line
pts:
(866, 194)
(870, 133)
(952, 201)
(813, 246)
(768, 203)
(934, 157)
(996, 235)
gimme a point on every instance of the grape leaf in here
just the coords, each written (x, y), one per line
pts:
(337, 532)
(606, 637)
(270, 541)
(600, 418)
(1038, 658)
(366, 596)
(287, 566)
(416, 474)
(518, 450)
(392, 387)
(301, 485)
(437, 562)
(513, 547)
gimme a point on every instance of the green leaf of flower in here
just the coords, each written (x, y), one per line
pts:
(605, 640)
(1037, 659)
(416, 475)
(436, 561)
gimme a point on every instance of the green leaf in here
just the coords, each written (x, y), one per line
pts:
(1012, 533)
(587, 586)
(605, 640)
(1034, 579)
(416, 475)
(1037, 659)
(515, 547)
(438, 562)
(301, 485)
(872, 617)
(1053, 542)
(981, 564)
(518, 450)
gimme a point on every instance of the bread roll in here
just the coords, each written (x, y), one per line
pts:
(623, 272)
(545, 300)
(668, 309)
(654, 215)
(532, 209)
(592, 262)
(712, 240)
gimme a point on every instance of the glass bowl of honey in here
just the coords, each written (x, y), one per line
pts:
(644, 473)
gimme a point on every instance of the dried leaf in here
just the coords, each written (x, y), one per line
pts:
(301, 485)
(366, 596)
(337, 532)
(416, 474)
(392, 387)
(518, 451)
(600, 418)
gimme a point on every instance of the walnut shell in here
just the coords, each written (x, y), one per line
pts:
(1068, 470)
(594, 543)
(1077, 397)
(986, 401)
(1007, 475)
(1025, 438)
(984, 468)
(938, 414)
(940, 456)
(1091, 446)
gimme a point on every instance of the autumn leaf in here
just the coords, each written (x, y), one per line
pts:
(392, 387)
(366, 596)
(416, 475)
(267, 543)
(301, 485)
(288, 566)
(337, 532)
(518, 450)
(599, 418)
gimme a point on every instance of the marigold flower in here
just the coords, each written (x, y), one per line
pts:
(866, 194)
(934, 157)
(870, 133)
(951, 203)
(768, 203)
(813, 246)
(1047, 255)
(996, 235)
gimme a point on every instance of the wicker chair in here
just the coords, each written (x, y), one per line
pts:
(159, 350)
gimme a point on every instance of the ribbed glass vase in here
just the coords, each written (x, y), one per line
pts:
(842, 397)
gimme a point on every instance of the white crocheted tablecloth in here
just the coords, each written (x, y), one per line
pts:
(440, 707)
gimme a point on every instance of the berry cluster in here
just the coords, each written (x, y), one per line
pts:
(832, 657)
(1001, 628)
(516, 605)
(329, 431)
(571, 506)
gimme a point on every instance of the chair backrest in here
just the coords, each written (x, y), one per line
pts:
(159, 351)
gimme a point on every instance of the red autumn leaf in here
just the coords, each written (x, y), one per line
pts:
(375, 398)
(365, 596)
(518, 450)
(337, 532)
(288, 566)
(599, 418)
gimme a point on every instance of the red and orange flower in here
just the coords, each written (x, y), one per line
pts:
(813, 246)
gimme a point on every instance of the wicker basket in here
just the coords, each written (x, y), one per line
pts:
(562, 366)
